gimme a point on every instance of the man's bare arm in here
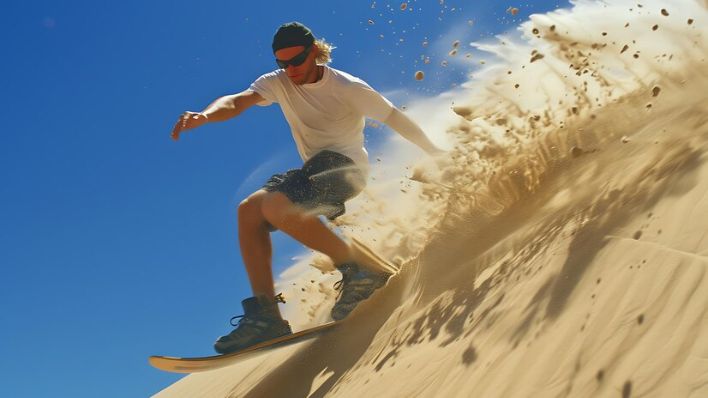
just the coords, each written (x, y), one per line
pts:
(409, 130)
(221, 109)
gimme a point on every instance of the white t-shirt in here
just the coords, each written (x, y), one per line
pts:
(328, 114)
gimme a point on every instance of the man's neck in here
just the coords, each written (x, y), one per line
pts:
(317, 76)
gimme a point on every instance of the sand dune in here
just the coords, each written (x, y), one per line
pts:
(563, 252)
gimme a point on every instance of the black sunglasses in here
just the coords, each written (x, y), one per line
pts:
(296, 60)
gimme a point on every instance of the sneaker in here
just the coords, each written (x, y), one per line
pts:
(260, 322)
(356, 285)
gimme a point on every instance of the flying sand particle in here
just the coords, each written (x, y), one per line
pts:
(404, 6)
(419, 75)
(535, 56)
(664, 12)
(462, 111)
(655, 91)
(512, 10)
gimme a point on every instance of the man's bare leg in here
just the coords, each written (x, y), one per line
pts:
(256, 246)
(304, 227)
(262, 317)
(275, 208)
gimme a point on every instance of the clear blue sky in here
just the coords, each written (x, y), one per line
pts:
(116, 242)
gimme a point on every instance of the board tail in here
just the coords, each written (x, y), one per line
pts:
(367, 258)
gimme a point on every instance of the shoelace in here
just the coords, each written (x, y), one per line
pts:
(279, 298)
(240, 317)
(339, 285)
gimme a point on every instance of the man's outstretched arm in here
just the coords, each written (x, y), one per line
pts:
(409, 130)
(221, 109)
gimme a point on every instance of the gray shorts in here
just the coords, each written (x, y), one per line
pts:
(321, 185)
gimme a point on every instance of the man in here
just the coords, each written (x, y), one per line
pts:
(326, 110)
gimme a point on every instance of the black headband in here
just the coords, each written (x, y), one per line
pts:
(292, 34)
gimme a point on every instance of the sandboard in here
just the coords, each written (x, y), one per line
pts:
(202, 364)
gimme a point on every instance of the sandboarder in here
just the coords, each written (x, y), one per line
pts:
(326, 110)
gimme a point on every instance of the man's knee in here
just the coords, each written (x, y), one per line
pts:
(250, 209)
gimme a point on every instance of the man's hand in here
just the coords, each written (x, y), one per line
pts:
(188, 120)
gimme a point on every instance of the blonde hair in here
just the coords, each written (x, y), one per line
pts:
(325, 51)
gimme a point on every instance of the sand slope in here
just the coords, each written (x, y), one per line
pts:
(565, 258)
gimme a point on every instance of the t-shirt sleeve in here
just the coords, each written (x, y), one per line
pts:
(266, 87)
(369, 102)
